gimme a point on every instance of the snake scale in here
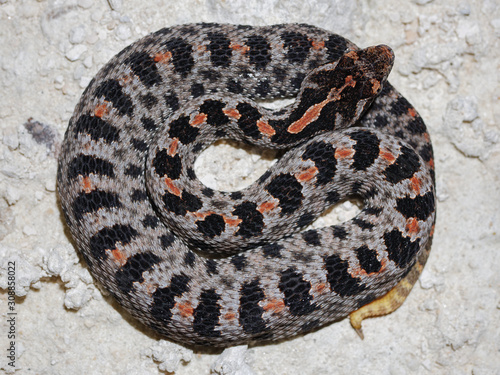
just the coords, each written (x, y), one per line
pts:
(214, 268)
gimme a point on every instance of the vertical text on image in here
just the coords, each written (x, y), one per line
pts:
(11, 313)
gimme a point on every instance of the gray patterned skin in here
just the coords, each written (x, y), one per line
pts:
(147, 226)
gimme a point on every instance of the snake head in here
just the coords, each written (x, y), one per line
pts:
(335, 95)
(370, 67)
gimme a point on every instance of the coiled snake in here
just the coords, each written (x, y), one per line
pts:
(216, 268)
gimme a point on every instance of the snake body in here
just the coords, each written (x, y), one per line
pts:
(207, 267)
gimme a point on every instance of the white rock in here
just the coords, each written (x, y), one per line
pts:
(54, 262)
(232, 362)
(50, 185)
(29, 230)
(469, 30)
(87, 62)
(123, 32)
(12, 195)
(115, 4)
(74, 53)
(58, 81)
(464, 9)
(496, 26)
(466, 131)
(26, 274)
(77, 297)
(10, 139)
(169, 355)
(77, 34)
(85, 4)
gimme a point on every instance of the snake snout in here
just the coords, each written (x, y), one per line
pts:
(379, 60)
